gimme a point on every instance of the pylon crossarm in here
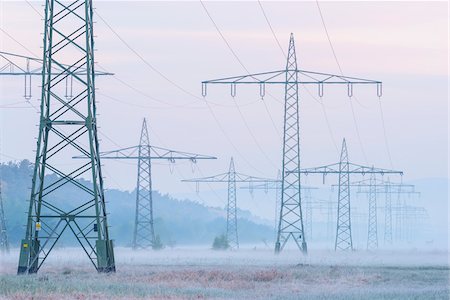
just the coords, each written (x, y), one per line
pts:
(155, 153)
(273, 185)
(279, 77)
(302, 77)
(224, 178)
(9, 67)
(353, 168)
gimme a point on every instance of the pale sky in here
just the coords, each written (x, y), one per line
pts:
(403, 44)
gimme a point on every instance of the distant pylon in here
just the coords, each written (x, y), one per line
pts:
(68, 126)
(4, 243)
(344, 228)
(388, 215)
(372, 232)
(291, 220)
(232, 232)
(290, 225)
(144, 233)
(231, 178)
(308, 213)
(144, 153)
(277, 203)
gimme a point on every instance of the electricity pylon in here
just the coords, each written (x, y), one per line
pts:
(231, 178)
(68, 126)
(344, 169)
(4, 243)
(372, 188)
(291, 222)
(12, 64)
(144, 153)
(372, 230)
(276, 185)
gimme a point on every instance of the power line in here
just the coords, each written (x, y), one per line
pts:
(330, 131)
(177, 86)
(271, 29)
(385, 134)
(245, 68)
(340, 70)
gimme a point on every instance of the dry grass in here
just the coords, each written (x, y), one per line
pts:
(215, 276)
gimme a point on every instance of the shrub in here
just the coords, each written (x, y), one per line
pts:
(220, 242)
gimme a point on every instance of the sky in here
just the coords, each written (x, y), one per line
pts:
(403, 44)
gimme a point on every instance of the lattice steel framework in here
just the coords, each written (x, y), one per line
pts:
(68, 126)
(144, 153)
(290, 225)
(144, 231)
(232, 229)
(231, 178)
(4, 242)
(388, 214)
(344, 168)
(372, 230)
(276, 185)
(308, 213)
(372, 188)
(344, 226)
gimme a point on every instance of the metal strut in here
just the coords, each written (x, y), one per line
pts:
(290, 226)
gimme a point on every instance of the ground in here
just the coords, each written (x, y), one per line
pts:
(248, 273)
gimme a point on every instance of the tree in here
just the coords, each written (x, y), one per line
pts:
(220, 242)
(157, 244)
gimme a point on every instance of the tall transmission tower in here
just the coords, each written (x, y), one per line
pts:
(231, 178)
(290, 224)
(68, 126)
(12, 64)
(144, 153)
(344, 169)
(372, 188)
(372, 230)
(4, 243)
(276, 185)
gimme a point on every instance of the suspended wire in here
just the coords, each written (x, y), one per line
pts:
(385, 135)
(179, 88)
(19, 43)
(271, 29)
(178, 171)
(148, 64)
(244, 67)
(342, 73)
(330, 131)
(32, 6)
(171, 82)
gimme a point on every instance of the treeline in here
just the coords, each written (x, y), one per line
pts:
(177, 222)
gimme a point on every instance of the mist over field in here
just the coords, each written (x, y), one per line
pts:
(181, 197)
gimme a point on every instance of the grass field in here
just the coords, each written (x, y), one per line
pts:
(255, 274)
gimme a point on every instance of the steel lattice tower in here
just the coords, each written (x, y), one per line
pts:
(4, 243)
(276, 185)
(231, 178)
(308, 213)
(144, 233)
(388, 214)
(398, 218)
(344, 228)
(344, 168)
(68, 126)
(372, 188)
(372, 231)
(290, 224)
(232, 232)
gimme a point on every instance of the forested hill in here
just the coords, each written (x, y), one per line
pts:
(180, 222)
